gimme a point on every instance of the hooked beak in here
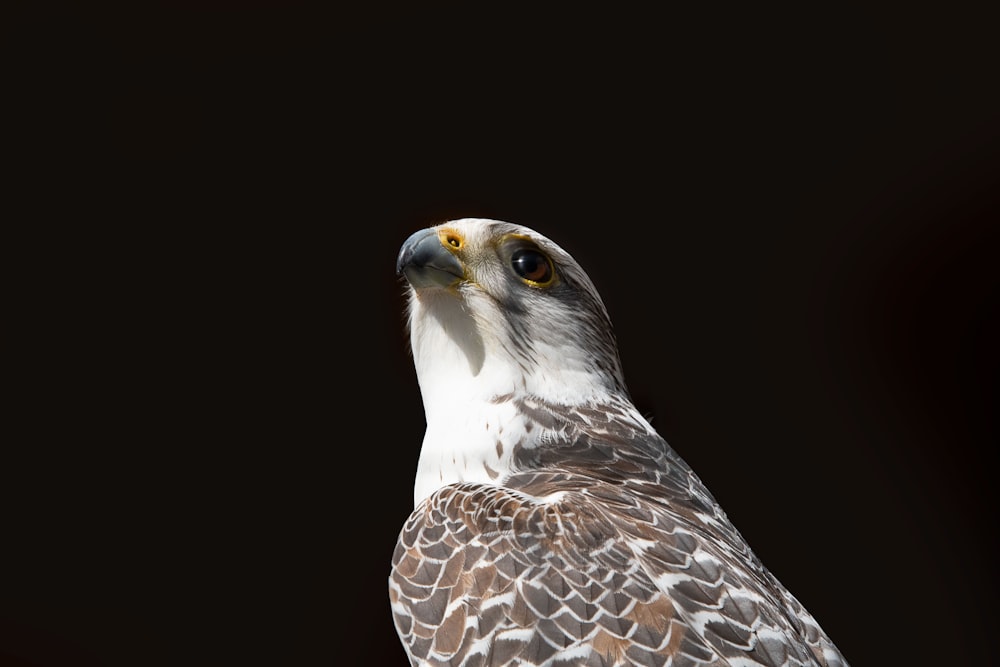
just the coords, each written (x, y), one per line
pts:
(426, 262)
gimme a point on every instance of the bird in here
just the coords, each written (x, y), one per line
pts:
(552, 524)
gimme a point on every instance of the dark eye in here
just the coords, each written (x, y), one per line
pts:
(532, 265)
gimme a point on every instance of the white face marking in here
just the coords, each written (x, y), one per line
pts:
(467, 353)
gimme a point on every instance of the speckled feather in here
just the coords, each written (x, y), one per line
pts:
(587, 540)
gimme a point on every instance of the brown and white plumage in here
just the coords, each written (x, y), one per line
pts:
(553, 525)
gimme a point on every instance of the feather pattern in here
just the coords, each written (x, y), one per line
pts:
(591, 542)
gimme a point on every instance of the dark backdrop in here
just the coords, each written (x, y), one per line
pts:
(791, 216)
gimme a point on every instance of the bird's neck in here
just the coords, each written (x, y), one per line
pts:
(471, 383)
(474, 442)
(476, 423)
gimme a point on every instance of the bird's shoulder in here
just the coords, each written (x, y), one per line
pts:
(556, 559)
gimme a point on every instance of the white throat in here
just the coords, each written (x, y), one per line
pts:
(468, 374)
(470, 435)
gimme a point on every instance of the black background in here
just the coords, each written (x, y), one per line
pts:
(791, 215)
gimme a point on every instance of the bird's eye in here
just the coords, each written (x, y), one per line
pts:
(532, 265)
(453, 241)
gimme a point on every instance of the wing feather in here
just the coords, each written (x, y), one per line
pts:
(601, 576)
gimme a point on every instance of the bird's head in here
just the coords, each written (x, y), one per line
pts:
(497, 309)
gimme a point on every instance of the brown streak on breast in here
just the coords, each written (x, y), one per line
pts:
(408, 565)
(656, 615)
(448, 637)
(677, 631)
(611, 647)
(456, 565)
(481, 582)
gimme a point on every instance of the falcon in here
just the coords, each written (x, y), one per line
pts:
(552, 524)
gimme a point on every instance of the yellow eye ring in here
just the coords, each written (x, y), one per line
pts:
(451, 239)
